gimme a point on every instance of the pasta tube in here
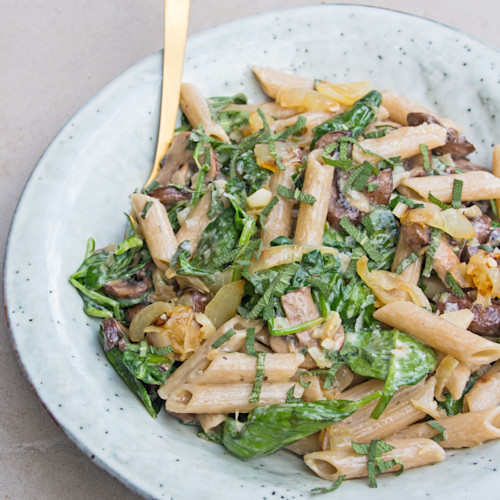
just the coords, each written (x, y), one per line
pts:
(438, 333)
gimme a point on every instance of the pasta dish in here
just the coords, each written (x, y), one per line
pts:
(318, 272)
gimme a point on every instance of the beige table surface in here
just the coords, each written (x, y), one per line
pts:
(54, 55)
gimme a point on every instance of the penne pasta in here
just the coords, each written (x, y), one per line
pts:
(399, 106)
(438, 333)
(227, 398)
(477, 185)
(279, 220)
(486, 391)
(399, 413)
(404, 142)
(153, 220)
(412, 452)
(312, 217)
(236, 367)
(464, 430)
(196, 109)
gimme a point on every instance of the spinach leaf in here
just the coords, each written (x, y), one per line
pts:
(109, 264)
(454, 406)
(219, 237)
(269, 428)
(251, 172)
(355, 119)
(152, 401)
(380, 224)
(388, 355)
(146, 364)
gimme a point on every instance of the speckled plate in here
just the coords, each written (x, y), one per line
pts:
(80, 188)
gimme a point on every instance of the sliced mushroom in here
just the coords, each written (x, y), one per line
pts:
(415, 235)
(338, 206)
(127, 288)
(114, 334)
(170, 194)
(195, 298)
(177, 156)
(457, 146)
(382, 194)
(482, 226)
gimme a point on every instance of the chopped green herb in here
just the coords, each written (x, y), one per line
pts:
(372, 186)
(436, 235)
(267, 210)
(250, 342)
(290, 398)
(425, 155)
(295, 194)
(376, 464)
(402, 199)
(442, 434)
(146, 208)
(329, 489)
(259, 377)
(361, 238)
(493, 206)
(224, 338)
(441, 204)
(456, 196)
(358, 179)
(407, 262)
(375, 134)
(455, 289)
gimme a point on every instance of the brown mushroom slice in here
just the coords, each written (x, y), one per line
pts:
(381, 195)
(299, 308)
(170, 194)
(127, 288)
(114, 334)
(457, 146)
(416, 235)
(195, 298)
(177, 156)
(338, 206)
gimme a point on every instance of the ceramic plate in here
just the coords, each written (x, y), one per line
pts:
(80, 188)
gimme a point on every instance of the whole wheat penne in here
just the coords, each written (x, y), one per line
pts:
(457, 380)
(399, 413)
(237, 367)
(196, 109)
(198, 361)
(438, 333)
(399, 106)
(464, 430)
(279, 220)
(272, 80)
(478, 185)
(209, 421)
(404, 142)
(346, 462)
(311, 218)
(153, 220)
(486, 391)
(305, 445)
(227, 398)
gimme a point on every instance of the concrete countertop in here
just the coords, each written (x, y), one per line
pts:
(54, 56)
